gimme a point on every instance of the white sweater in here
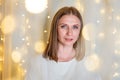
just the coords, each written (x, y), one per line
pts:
(42, 69)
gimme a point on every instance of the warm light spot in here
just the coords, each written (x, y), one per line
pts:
(97, 1)
(114, 31)
(89, 32)
(45, 31)
(23, 15)
(116, 74)
(0, 16)
(98, 21)
(16, 56)
(16, 4)
(8, 25)
(92, 62)
(117, 52)
(115, 65)
(27, 38)
(23, 39)
(101, 35)
(1, 66)
(27, 21)
(21, 70)
(29, 26)
(28, 44)
(118, 18)
(48, 17)
(79, 6)
(102, 11)
(1, 48)
(40, 46)
(35, 6)
(1, 58)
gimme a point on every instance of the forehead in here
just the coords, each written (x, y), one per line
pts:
(69, 19)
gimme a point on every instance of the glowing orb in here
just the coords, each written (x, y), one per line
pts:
(40, 46)
(35, 6)
(92, 62)
(8, 25)
(16, 56)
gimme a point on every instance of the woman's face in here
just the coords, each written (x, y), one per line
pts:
(68, 29)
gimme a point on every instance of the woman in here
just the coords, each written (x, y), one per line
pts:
(66, 41)
(61, 59)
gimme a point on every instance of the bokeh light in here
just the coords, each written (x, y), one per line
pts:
(39, 46)
(35, 6)
(92, 62)
(8, 25)
(16, 56)
(97, 1)
(102, 11)
(89, 31)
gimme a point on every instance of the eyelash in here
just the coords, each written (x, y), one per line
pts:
(74, 27)
(63, 26)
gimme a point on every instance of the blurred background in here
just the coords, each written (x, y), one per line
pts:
(24, 29)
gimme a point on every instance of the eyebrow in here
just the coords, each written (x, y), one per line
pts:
(66, 24)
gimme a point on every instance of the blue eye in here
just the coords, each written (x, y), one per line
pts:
(75, 27)
(63, 26)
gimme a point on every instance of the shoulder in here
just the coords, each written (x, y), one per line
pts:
(38, 59)
(35, 67)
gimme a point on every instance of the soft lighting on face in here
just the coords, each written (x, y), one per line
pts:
(16, 56)
(89, 32)
(40, 46)
(8, 25)
(92, 62)
(35, 6)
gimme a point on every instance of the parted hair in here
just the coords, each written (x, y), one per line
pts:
(52, 46)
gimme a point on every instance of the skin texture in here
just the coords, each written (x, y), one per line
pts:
(68, 33)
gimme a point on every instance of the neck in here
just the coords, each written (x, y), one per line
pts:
(65, 53)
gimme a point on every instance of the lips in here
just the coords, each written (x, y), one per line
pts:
(68, 39)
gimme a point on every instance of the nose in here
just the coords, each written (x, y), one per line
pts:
(69, 32)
